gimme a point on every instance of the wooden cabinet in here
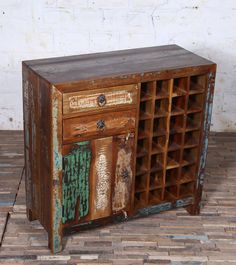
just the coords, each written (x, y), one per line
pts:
(113, 136)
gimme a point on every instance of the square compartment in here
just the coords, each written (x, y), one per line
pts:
(188, 173)
(162, 88)
(160, 126)
(142, 147)
(141, 165)
(176, 124)
(195, 103)
(198, 84)
(175, 141)
(190, 156)
(158, 144)
(140, 200)
(156, 180)
(157, 161)
(171, 177)
(170, 193)
(161, 107)
(144, 128)
(155, 196)
(180, 86)
(141, 182)
(178, 105)
(145, 110)
(186, 189)
(191, 139)
(147, 90)
(173, 159)
(193, 121)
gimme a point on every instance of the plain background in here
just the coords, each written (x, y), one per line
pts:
(31, 29)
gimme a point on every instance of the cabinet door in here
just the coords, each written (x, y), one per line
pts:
(97, 178)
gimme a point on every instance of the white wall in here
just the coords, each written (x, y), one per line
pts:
(31, 29)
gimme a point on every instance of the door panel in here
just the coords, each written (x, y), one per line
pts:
(102, 172)
(97, 178)
(75, 182)
(123, 145)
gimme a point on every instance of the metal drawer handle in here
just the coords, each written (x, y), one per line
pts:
(101, 124)
(125, 174)
(101, 100)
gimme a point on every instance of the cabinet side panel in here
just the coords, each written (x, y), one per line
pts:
(27, 133)
(205, 138)
(44, 152)
(31, 125)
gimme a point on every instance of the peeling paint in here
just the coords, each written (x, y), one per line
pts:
(57, 169)
(75, 182)
(103, 180)
(206, 127)
(123, 174)
(101, 177)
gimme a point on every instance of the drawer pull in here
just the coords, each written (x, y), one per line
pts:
(101, 100)
(101, 124)
(125, 174)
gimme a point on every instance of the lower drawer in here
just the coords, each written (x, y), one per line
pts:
(101, 125)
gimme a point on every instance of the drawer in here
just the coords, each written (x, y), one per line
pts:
(100, 125)
(78, 102)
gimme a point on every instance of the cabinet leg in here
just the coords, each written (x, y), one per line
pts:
(30, 215)
(55, 242)
(193, 209)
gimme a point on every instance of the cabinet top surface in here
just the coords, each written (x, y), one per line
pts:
(66, 69)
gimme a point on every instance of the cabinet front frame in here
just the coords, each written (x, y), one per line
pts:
(56, 147)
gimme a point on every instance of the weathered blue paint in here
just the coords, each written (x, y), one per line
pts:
(184, 202)
(154, 209)
(140, 213)
(206, 127)
(164, 206)
(75, 182)
(57, 170)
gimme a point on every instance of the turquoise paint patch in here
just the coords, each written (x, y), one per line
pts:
(56, 224)
(57, 167)
(183, 202)
(155, 209)
(75, 182)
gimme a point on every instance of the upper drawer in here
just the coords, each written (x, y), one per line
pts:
(99, 99)
(99, 125)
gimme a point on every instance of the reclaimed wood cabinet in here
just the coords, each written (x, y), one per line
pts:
(113, 136)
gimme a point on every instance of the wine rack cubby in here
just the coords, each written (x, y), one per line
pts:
(169, 133)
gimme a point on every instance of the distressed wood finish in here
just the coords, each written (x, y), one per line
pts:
(100, 99)
(98, 125)
(113, 136)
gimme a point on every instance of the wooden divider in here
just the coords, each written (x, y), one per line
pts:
(169, 131)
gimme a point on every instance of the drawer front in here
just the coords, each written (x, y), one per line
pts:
(100, 125)
(79, 102)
